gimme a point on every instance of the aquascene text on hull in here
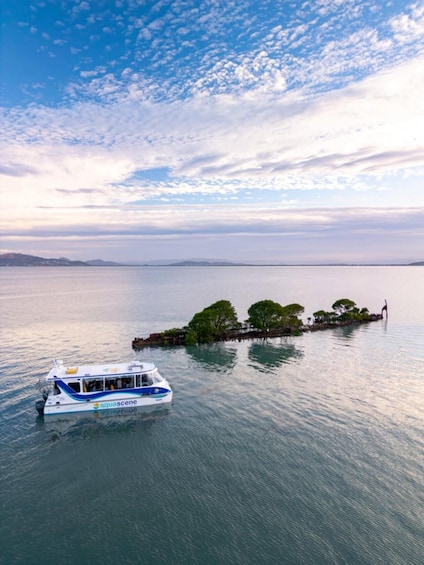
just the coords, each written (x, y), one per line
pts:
(89, 388)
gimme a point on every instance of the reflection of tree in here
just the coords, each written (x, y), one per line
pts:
(272, 355)
(214, 355)
(346, 332)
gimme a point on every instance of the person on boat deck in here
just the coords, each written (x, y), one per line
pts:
(119, 383)
(56, 389)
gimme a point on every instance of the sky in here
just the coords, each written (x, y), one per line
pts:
(267, 131)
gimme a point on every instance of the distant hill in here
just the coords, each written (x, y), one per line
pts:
(207, 264)
(101, 263)
(22, 260)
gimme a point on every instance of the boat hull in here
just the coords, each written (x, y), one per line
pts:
(108, 402)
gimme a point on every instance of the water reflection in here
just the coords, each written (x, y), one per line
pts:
(346, 332)
(270, 355)
(344, 335)
(62, 426)
(214, 356)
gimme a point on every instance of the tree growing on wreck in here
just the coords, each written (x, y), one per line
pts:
(292, 313)
(323, 317)
(212, 322)
(267, 314)
(347, 310)
(344, 307)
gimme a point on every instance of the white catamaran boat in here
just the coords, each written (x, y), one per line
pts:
(89, 388)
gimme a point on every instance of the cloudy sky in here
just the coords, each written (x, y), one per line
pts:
(247, 130)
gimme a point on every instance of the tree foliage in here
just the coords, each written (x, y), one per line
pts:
(323, 317)
(212, 322)
(344, 310)
(347, 310)
(343, 305)
(291, 313)
(267, 314)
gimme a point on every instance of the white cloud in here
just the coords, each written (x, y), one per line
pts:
(328, 120)
(409, 27)
(374, 128)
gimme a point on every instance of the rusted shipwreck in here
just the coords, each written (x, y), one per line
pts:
(178, 337)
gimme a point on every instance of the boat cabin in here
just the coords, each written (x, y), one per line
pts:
(98, 379)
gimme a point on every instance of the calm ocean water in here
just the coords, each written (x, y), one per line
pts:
(306, 450)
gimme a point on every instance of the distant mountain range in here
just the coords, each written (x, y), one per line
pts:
(22, 260)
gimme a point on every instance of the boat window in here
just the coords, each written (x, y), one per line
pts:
(93, 385)
(128, 382)
(118, 383)
(111, 383)
(156, 376)
(75, 386)
(144, 380)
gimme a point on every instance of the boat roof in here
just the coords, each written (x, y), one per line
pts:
(61, 371)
